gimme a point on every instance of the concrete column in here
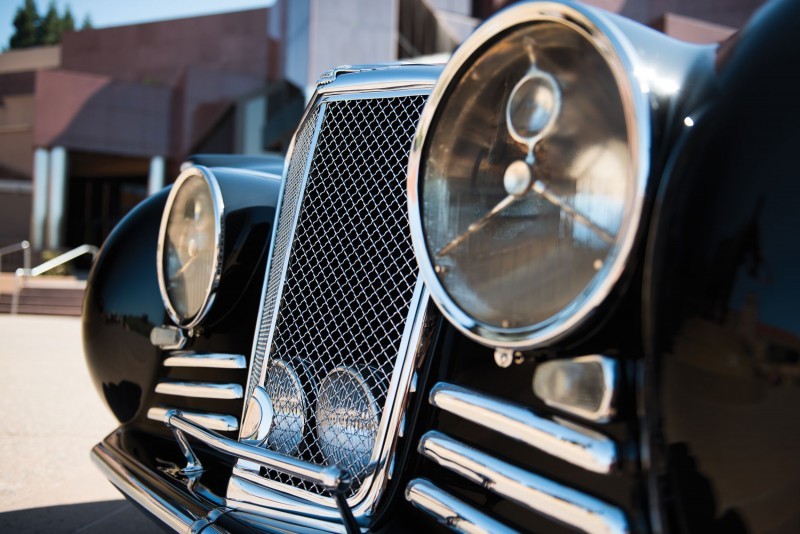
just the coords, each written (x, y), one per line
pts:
(58, 197)
(41, 179)
(155, 181)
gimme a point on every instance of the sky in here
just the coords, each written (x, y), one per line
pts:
(106, 13)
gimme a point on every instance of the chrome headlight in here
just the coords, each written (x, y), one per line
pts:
(189, 246)
(526, 177)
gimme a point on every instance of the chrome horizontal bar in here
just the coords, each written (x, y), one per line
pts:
(138, 491)
(212, 421)
(450, 511)
(331, 477)
(206, 360)
(203, 390)
(537, 493)
(579, 446)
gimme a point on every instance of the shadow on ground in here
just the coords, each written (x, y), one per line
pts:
(119, 517)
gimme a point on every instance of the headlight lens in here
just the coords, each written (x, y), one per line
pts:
(189, 252)
(526, 177)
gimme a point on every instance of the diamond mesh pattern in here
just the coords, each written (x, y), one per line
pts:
(351, 274)
(291, 194)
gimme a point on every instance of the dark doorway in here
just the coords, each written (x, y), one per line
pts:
(102, 190)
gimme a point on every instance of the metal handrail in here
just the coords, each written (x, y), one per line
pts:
(22, 274)
(23, 246)
(59, 260)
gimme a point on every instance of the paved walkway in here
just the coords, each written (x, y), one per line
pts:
(50, 417)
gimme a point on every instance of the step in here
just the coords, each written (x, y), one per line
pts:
(74, 311)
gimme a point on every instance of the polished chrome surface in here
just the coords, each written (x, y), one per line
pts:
(258, 418)
(138, 491)
(625, 62)
(193, 465)
(536, 493)
(203, 390)
(168, 337)
(213, 282)
(607, 406)
(298, 161)
(413, 79)
(579, 446)
(212, 421)
(331, 478)
(450, 511)
(211, 360)
(349, 152)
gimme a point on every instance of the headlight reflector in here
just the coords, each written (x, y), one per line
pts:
(189, 253)
(527, 174)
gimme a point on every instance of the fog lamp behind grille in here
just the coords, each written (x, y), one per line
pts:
(291, 406)
(347, 420)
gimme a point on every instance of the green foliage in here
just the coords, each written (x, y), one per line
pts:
(31, 29)
(50, 25)
(87, 23)
(26, 26)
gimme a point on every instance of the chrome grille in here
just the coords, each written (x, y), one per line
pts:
(351, 272)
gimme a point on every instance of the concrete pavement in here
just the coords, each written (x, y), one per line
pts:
(50, 417)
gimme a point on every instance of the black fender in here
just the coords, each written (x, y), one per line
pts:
(123, 303)
(721, 287)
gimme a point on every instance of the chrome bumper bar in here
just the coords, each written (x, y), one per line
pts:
(181, 501)
(331, 478)
(133, 487)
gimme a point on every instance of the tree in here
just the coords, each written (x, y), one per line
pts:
(51, 26)
(67, 21)
(32, 30)
(26, 26)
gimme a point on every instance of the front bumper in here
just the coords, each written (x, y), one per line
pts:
(184, 504)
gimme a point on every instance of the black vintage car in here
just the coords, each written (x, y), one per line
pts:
(551, 285)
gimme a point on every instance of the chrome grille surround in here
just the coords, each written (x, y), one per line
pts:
(347, 164)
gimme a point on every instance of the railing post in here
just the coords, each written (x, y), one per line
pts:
(26, 251)
(17, 288)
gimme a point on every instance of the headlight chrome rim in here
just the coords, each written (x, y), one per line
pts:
(621, 58)
(216, 272)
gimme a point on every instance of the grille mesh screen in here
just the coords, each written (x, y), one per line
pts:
(351, 274)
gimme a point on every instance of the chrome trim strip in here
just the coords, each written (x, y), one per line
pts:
(626, 63)
(125, 481)
(290, 241)
(212, 421)
(451, 512)
(536, 493)
(258, 366)
(202, 390)
(399, 77)
(206, 360)
(574, 444)
(331, 477)
(219, 229)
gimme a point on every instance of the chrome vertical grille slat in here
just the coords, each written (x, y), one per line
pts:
(344, 298)
(280, 247)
